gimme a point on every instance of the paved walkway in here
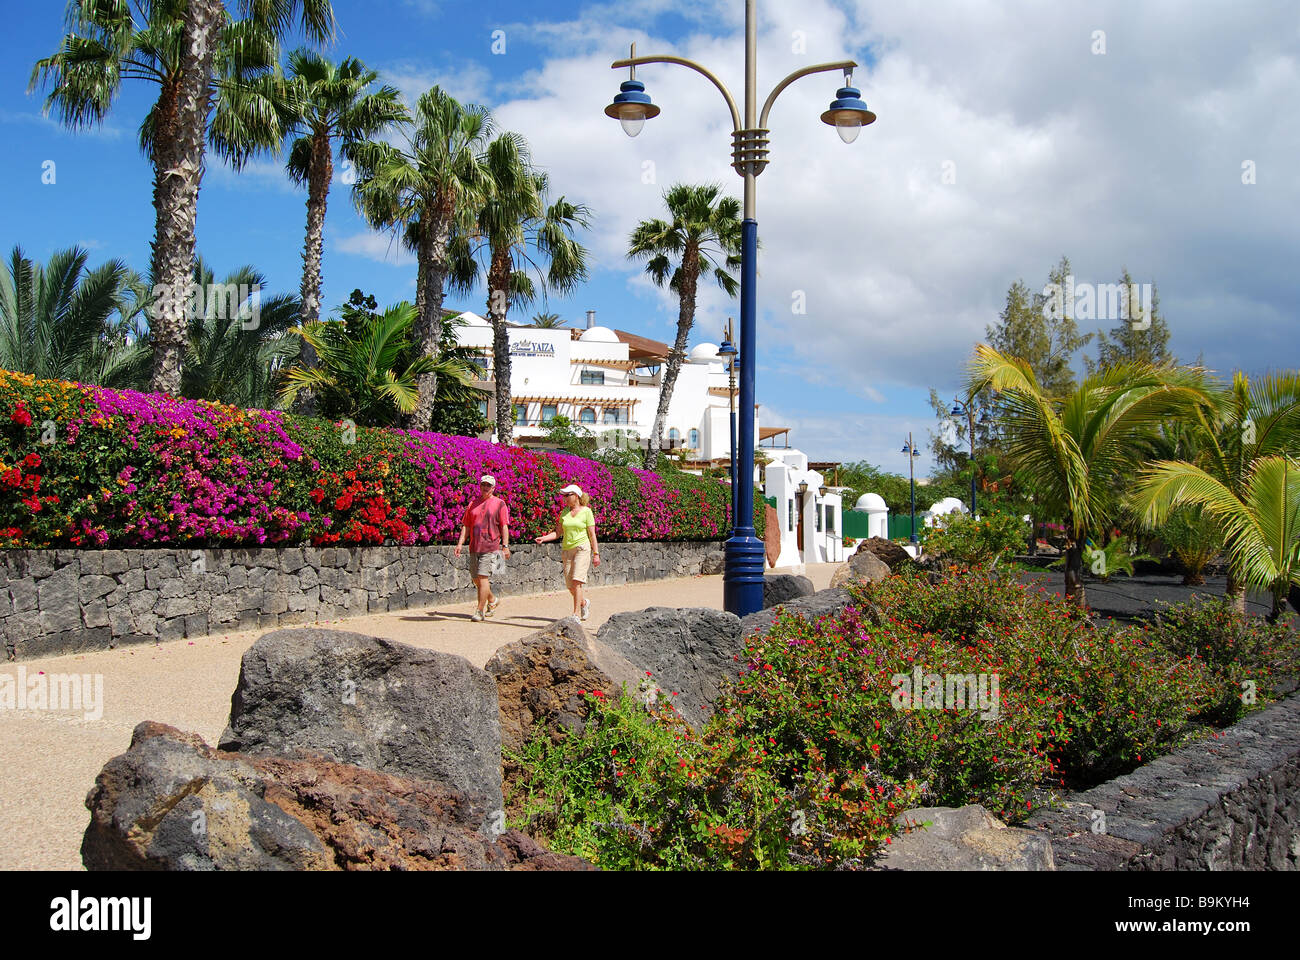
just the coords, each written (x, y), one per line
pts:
(50, 761)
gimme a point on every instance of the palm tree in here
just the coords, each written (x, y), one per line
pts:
(203, 61)
(429, 190)
(1251, 419)
(238, 345)
(328, 102)
(702, 238)
(367, 374)
(1070, 447)
(547, 321)
(62, 322)
(1261, 520)
(518, 232)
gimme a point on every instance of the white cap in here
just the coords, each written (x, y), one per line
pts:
(488, 479)
(572, 488)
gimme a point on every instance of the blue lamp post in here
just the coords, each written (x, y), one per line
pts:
(743, 580)
(967, 409)
(909, 450)
(728, 352)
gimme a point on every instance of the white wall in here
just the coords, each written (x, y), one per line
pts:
(824, 545)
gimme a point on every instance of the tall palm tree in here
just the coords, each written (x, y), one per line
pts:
(1251, 419)
(369, 374)
(60, 321)
(202, 60)
(1260, 520)
(547, 321)
(428, 190)
(329, 102)
(520, 236)
(1070, 447)
(234, 355)
(702, 238)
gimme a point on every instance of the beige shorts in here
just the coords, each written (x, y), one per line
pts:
(486, 564)
(577, 564)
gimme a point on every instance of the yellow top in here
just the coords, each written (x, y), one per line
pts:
(575, 527)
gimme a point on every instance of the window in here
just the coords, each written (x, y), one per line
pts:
(790, 503)
(817, 511)
(481, 365)
(593, 378)
(588, 415)
(830, 519)
(674, 436)
(548, 412)
(521, 415)
(483, 409)
(615, 415)
(695, 439)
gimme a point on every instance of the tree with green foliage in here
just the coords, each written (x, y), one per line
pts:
(547, 321)
(1138, 337)
(61, 321)
(430, 190)
(1069, 447)
(701, 239)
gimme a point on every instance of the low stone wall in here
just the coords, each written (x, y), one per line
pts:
(67, 601)
(1230, 802)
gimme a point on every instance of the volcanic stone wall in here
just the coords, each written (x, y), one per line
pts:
(65, 601)
(1228, 802)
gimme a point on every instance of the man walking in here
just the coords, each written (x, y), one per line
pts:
(487, 525)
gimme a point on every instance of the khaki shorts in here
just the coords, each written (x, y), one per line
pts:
(577, 564)
(486, 564)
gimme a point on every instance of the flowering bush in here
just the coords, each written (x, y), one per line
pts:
(85, 466)
(962, 539)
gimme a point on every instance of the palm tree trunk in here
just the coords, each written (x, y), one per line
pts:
(318, 187)
(1236, 592)
(1074, 589)
(498, 303)
(176, 193)
(685, 320)
(427, 333)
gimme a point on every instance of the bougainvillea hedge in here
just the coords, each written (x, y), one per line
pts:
(85, 466)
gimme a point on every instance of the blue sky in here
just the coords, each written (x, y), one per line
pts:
(1006, 138)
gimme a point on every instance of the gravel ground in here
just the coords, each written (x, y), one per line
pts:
(1134, 598)
(50, 760)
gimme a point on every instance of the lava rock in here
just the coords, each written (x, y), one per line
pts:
(714, 563)
(964, 838)
(372, 703)
(783, 587)
(823, 603)
(862, 566)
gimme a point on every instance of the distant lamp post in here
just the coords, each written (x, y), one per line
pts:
(967, 409)
(743, 581)
(910, 451)
(823, 490)
(728, 352)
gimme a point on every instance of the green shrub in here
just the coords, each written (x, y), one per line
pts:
(967, 541)
(1195, 539)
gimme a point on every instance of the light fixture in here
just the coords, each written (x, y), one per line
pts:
(803, 487)
(728, 349)
(632, 107)
(847, 113)
(823, 490)
(956, 411)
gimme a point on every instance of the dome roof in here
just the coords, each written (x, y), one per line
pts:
(705, 353)
(948, 505)
(870, 503)
(599, 335)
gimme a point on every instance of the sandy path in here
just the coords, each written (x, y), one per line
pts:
(48, 761)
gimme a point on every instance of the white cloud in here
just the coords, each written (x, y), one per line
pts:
(380, 247)
(105, 131)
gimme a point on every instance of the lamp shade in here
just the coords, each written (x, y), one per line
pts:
(632, 107)
(848, 114)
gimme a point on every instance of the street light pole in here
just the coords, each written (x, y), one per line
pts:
(910, 450)
(743, 580)
(728, 350)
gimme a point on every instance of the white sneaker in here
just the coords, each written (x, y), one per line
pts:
(586, 605)
(477, 617)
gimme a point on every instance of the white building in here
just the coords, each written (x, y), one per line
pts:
(809, 513)
(607, 379)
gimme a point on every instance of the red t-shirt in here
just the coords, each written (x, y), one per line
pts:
(486, 521)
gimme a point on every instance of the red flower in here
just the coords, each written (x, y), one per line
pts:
(32, 460)
(21, 416)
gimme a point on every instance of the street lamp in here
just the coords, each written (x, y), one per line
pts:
(728, 351)
(743, 580)
(967, 409)
(912, 453)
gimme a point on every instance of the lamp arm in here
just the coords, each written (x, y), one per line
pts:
(682, 61)
(845, 65)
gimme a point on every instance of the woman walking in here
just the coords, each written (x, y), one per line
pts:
(575, 528)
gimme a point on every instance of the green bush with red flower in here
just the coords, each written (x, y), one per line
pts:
(812, 753)
(85, 466)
